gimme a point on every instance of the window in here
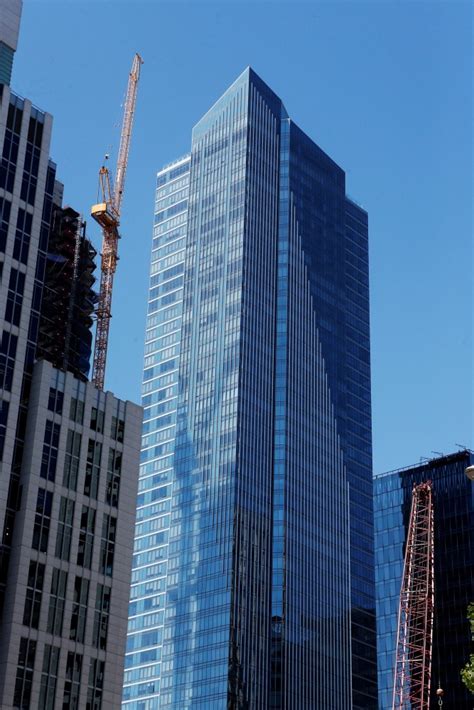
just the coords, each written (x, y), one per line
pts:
(15, 116)
(7, 360)
(16, 287)
(96, 684)
(64, 536)
(22, 236)
(101, 616)
(11, 143)
(117, 429)
(4, 406)
(97, 420)
(50, 450)
(107, 547)
(76, 411)
(5, 208)
(71, 461)
(57, 600)
(24, 673)
(79, 610)
(34, 593)
(94, 455)
(55, 400)
(30, 173)
(49, 677)
(72, 685)
(44, 504)
(35, 132)
(114, 470)
(86, 537)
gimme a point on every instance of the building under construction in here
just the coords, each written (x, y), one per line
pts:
(452, 551)
(65, 334)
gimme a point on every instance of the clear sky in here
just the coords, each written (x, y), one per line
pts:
(384, 87)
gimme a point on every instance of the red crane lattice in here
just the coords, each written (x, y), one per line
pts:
(412, 680)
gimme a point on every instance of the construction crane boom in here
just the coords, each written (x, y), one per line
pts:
(107, 213)
(412, 679)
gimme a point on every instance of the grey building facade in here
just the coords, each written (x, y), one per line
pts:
(69, 453)
(64, 616)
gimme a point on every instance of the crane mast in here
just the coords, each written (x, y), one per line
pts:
(412, 681)
(107, 214)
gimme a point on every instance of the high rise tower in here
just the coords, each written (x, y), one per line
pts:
(253, 570)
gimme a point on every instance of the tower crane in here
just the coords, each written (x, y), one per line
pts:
(411, 688)
(107, 213)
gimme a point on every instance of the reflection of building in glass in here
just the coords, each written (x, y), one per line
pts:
(253, 572)
(454, 570)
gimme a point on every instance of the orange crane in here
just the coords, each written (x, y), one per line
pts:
(412, 681)
(107, 214)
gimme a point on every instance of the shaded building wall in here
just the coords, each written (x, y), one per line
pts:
(33, 252)
(453, 503)
(334, 245)
(27, 185)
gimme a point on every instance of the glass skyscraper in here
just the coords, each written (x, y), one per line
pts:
(453, 503)
(253, 572)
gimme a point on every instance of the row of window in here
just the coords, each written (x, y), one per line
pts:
(72, 460)
(57, 600)
(85, 548)
(49, 677)
(76, 414)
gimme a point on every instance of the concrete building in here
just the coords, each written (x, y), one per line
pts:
(69, 453)
(71, 551)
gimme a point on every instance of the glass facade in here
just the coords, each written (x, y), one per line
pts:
(454, 570)
(253, 573)
(160, 388)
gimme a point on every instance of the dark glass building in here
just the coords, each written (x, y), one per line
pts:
(258, 589)
(454, 571)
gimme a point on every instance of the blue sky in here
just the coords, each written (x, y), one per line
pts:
(384, 87)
